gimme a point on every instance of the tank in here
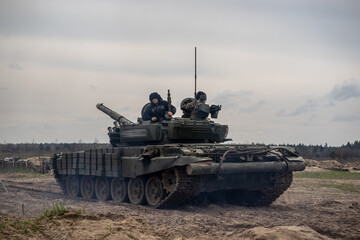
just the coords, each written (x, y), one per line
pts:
(166, 163)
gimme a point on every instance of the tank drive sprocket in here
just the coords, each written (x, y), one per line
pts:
(179, 187)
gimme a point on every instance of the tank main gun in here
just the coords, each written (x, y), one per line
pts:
(114, 115)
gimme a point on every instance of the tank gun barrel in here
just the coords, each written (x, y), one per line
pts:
(114, 115)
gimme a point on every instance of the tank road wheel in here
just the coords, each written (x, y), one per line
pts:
(102, 188)
(136, 190)
(169, 180)
(154, 191)
(73, 186)
(87, 187)
(118, 190)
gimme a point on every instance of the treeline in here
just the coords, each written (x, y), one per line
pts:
(347, 152)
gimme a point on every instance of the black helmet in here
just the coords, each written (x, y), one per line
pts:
(199, 94)
(155, 95)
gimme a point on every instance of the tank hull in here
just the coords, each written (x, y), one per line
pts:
(166, 175)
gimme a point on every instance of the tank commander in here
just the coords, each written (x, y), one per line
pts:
(157, 109)
(191, 106)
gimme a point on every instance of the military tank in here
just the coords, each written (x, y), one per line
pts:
(166, 163)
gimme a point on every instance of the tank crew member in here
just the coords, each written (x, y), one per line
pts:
(190, 107)
(157, 109)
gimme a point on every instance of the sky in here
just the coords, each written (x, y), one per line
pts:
(283, 71)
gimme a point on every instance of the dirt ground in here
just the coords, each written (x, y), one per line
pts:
(304, 211)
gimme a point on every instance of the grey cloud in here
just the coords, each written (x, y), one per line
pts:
(253, 108)
(96, 20)
(230, 98)
(141, 35)
(346, 90)
(329, 104)
(238, 100)
(281, 113)
(3, 89)
(144, 64)
(119, 20)
(346, 118)
(92, 87)
(309, 106)
(15, 66)
(310, 119)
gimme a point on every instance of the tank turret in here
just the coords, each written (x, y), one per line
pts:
(170, 130)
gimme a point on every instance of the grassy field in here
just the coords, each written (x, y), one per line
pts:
(332, 179)
(328, 174)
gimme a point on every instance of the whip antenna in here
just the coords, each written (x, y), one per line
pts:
(195, 74)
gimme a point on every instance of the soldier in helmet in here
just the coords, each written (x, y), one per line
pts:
(157, 109)
(191, 106)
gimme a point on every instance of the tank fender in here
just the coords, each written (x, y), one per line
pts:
(157, 164)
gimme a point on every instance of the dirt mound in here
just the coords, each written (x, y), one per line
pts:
(282, 232)
(354, 166)
(74, 225)
(34, 164)
(333, 165)
(38, 161)
(311, 163)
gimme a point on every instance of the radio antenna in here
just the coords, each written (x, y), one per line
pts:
(195, 74)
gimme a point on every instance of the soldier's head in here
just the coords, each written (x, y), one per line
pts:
(155, 97)
(201, 96)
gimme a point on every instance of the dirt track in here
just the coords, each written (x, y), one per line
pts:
(305, 211)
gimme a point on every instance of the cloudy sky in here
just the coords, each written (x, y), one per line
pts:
(284, 71)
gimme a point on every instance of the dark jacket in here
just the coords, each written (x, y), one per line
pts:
(157, 110)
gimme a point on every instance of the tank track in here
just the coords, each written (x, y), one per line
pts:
(262, 197)
(268, 196)
(186, 187)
